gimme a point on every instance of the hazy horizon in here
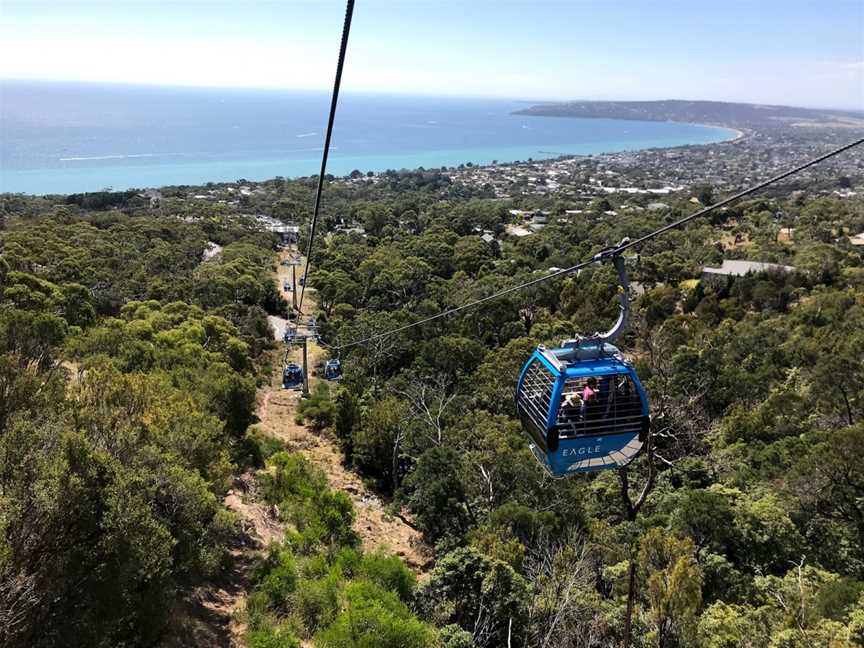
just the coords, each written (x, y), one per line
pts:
(384, 93)
(537, 51)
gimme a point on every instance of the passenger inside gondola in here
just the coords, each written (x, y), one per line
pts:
(625, 396)
(570, 414)
(597, 404)
(589, 398)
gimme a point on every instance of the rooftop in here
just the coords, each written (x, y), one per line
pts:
(738, 268)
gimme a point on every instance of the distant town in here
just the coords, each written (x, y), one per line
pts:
(766, 146)
(649, 179)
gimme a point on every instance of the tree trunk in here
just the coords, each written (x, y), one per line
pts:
(631, 598)
(632, 511)
(394, 468)
(849, 416)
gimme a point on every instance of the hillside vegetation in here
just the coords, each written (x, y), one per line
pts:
(128, 374)
(129, 369)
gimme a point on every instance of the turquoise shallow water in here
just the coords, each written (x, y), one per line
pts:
(61, 138)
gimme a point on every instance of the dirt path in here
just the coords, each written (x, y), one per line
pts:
(277, 408)
(376, 528)
(220, 606)
(215, 610)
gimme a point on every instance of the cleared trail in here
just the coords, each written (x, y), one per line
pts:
(277, 410)
(218, 608)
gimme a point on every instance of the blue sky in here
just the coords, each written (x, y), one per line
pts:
(787, 52)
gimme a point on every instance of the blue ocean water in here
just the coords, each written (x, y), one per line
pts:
(66, 137)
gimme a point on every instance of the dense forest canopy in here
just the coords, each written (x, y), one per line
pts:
(128, 384)
(129, 368)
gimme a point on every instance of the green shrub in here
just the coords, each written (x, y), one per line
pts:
(317, 602)
(293, 479)
(836, 597)
(375, 618)
(280, 582)
(319, 409)
(319, 579)
(349, 561)
(336, 514)
(452, 636)
(390, 573)
(273, 637)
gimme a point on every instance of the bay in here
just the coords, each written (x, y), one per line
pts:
(73, 137)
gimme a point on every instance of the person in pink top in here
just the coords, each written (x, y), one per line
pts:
(589, 395)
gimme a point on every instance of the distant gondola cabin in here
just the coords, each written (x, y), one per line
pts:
(333, 369)
(292, 376)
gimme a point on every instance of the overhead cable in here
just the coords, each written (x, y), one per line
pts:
(334, 98)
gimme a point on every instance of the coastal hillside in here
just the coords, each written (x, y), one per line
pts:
(161, 486)
(287, 362)
(720, 113)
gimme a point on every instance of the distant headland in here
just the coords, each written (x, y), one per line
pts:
(739, 116)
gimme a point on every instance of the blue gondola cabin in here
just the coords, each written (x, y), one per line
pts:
(292, 376)
(582, 407)
(332, 369)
